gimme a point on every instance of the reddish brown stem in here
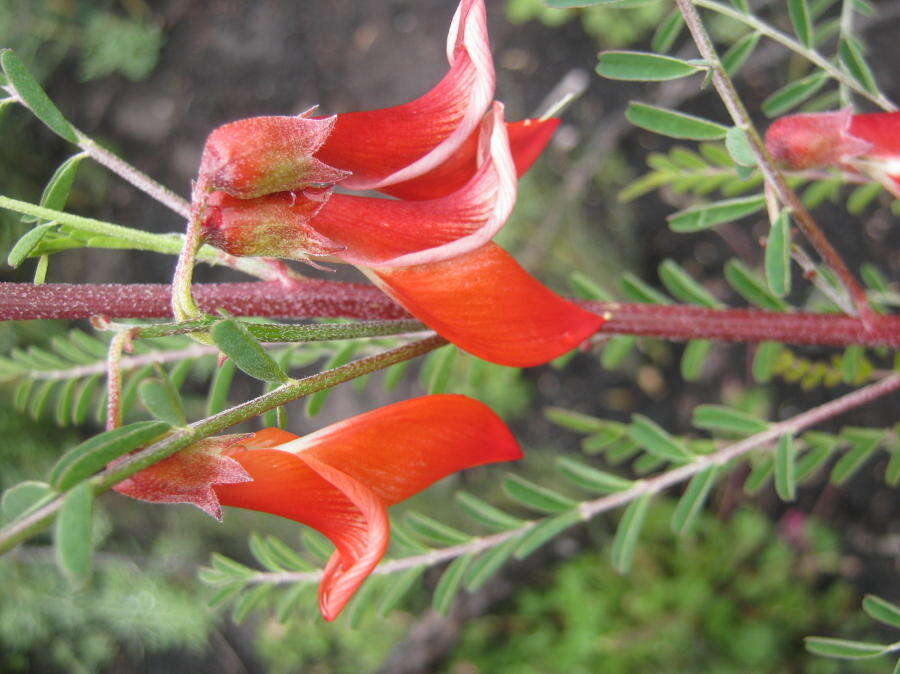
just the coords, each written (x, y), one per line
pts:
(320, 299)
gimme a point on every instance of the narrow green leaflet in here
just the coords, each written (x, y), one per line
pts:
(793, 94)
(534, 496)
(738, 147)
(399, 586)
(751, 287)
(882, 610)
(544, 531)
(450, 583)
(627, 533)
(590, 478)
(217, 399)
(643, 66)
(72, 535)
(799, 13)
(778, 255)
(674, 124)
(705, 216)
(695, 355)
(27, 243)
(844, 649)
(56, 192)
(483, 512)
(434, 531)
(92, 455)
(250, 601)
(734, 59)
(691, 502)
(236, 342)
(34, 96)
(727, 419)
(667, 32)
(489, 563)
(855, 64)
(656, 440)
(683, 286)
(586, 288)
(863, 443)
(439, 377)
(25, 497)
(342, 356)
(162, 400)
(852, 363)
(575, 421)
(639, 291)
(786, 468)
(616, 350)
(760, 475)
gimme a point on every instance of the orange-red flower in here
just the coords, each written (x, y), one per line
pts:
(451, 161)
(339, 480)
(867, 143)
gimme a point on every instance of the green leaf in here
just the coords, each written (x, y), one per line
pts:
(544, 531)
(778, 255)
(738, 147)
(683, 286)
(92, 455)
(667, 32)
(751, 287)
(449, 585)
(643, 66)
(702, 217)
(882, 610)
(218, 390)
(56, 192)
(250, 601)
(820, 446)
(656, 440)
(855, 65)
(627, 533)
(84, 398)
(590, 478)
(285, 556)
(734, 59)
(691, 502)
(236, 342)
(785, 468)
(852, 363)
(230, 568)
(433, 531)
(25, 497)
(863, 444)
(600, 441)
(892, 472)
(586, 288)
(534, 496)
(27, 243)
(343, 356)
(638, 291)
(483, 512)
(727, 419)
(489, 563)
(799, 13)
(440, 373)
(695, 355)
(616, 350)
(72, 535)
(34, 96)
(765, 360)
(400, 585)
(760, 475)
(844, 649)
(291, 601)
(673, 124)
(793, 94)
(162, 401)
(861, 197)
(575, 421)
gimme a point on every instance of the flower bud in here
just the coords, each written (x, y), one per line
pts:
(815, 140)
(275, 225)
(253, 157)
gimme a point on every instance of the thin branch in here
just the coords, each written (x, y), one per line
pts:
(773, 176)
(120, 341)
(331, 299)
(590, 509)
(22, 529)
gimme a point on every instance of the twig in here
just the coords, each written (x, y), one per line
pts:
(590, 509)
(114, 379)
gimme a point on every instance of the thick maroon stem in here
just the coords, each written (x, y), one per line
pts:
(320, 299)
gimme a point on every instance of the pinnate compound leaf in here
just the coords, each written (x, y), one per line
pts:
(643, 66)
(628, 532)
(34, 96)
(92, 455)
(72, 535)
(674, 124)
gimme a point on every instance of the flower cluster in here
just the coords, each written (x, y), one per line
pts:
(447, 163)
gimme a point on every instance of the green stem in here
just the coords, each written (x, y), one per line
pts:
(20, 530)
(278, 332)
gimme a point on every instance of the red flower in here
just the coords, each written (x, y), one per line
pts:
(339, 480)
(868, 143)
(453, 163)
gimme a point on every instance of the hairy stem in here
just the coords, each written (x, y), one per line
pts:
(114, 379)
(773, 176)
(330, 299)
(36, 521)
(590, 509)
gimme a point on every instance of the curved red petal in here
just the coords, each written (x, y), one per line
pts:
(323, 497)
(881, 129)
(401, 449)
(488, 305)
(388, 232)
(527, 139)
(381, 147)
(814, 140)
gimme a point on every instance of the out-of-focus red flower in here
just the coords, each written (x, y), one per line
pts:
(867, 143)
(452, 162)
(339, 480)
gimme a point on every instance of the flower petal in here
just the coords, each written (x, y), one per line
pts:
(401, 449)
(388, 232)
(814, 140)
(391, 145)
(323, 497)
(486, 304)
(881, 130)
(527, 139)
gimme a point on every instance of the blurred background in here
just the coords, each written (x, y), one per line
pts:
(151, 79)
